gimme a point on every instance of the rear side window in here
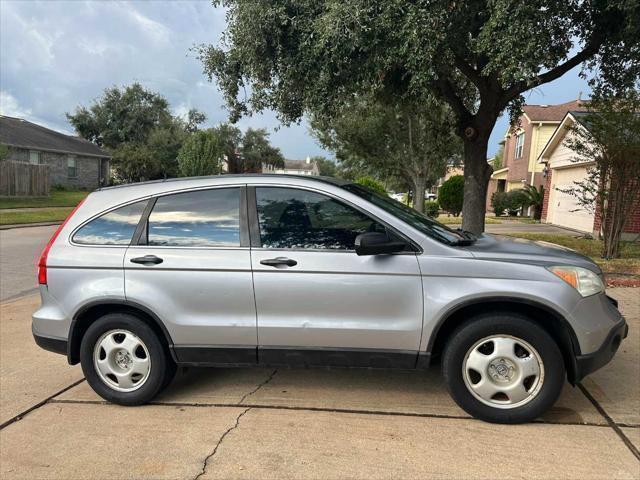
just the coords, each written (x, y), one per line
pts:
(205, 218)
(114, 228)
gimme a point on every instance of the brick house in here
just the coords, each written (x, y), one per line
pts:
(73, 162)
(562, 168)
(523, 144)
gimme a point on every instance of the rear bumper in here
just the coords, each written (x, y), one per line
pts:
(55, 345)
(586, 364)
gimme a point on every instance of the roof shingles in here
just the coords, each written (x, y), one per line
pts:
(552, 113)
(21, 133)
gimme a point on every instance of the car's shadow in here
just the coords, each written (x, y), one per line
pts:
(416, 392)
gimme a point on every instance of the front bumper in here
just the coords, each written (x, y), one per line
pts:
(586, 364)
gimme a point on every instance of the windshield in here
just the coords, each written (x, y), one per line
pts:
(417, 220)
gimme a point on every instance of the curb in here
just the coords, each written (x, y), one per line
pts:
(27, 225)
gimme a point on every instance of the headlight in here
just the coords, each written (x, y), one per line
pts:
(582, 279)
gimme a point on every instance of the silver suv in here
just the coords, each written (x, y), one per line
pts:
(290, 270)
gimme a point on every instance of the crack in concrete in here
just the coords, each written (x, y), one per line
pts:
(205, 463)
(258, 387)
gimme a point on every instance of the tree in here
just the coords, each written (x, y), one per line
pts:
(257, 151)
(498, 159)
(480, 57)
(139, 122)
(372, 184)
(326, 167)
(201, 154)
(133, 162)
(609, 135)
(387, 141)
(450, 195)
(4, 152)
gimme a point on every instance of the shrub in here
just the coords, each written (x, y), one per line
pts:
(451, 194)
(372, 184)
(431, 208)
(499, 203)
(515, 201)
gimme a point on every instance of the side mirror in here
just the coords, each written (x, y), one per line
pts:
(375, 243)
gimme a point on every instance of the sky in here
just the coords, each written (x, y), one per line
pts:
(57, 55)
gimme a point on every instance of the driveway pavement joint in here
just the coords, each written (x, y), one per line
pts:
(21, 415)
(329, 410)
(611, 422)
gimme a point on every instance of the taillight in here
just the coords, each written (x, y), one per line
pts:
(42, 263)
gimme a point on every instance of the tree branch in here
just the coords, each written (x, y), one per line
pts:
(589, 50)
(444, 87)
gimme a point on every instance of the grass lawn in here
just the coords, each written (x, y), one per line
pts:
(56, 199)
(446, 220)
(629, 263)
(45, 215)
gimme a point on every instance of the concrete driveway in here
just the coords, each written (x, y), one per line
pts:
(295, 423)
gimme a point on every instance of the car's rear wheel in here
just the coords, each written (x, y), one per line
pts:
(503, 368)
(124, 361)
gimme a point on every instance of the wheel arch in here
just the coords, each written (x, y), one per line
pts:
(94, 310)
(554, 323)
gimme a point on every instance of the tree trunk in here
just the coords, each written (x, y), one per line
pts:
(476, 180)
(419, 193)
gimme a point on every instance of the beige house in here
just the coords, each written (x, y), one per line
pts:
(523, 145)
(563, 168)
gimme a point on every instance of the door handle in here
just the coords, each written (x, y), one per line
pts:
(276, 262)
(147, 260)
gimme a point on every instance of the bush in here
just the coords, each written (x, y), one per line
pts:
(451, 194)
(499, 203)
(431, 208)
(515, 200)
(372, 184)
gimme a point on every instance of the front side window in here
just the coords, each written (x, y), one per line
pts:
(290, 218)
(419, 221)
(114, 228)
(72, 166)
(205, 218)
(519, 145)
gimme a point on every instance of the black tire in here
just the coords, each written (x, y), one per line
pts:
(162, 366)
(479, 327)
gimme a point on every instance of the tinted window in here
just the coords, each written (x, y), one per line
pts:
(292, 218)
(114, 228)
(206, 218)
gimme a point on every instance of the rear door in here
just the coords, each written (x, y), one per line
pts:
(317, 301)
(191, 267)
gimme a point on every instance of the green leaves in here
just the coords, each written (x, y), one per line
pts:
(137, 126)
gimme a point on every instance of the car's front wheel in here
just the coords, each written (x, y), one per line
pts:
(503, 368)
(123, 360)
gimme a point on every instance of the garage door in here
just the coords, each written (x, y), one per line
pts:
(564, 210)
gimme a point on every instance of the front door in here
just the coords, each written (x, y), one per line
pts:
(318, 302)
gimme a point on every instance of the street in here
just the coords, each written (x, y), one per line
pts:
(296, 423)
(19, 250)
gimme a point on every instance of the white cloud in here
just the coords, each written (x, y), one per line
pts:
(58, 55)
(156, 30)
